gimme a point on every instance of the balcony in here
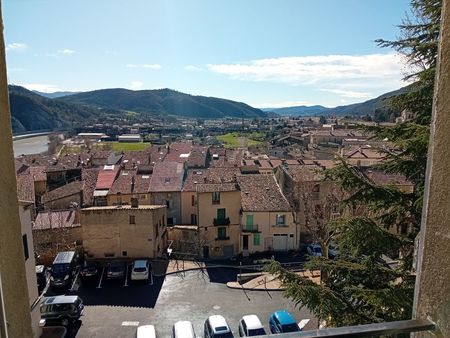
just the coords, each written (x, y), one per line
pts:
(250, 228)
(226, 238)
(284, 225)
(221, 221)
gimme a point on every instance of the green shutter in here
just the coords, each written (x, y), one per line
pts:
(249, 222)
(221, 232)
(220, 213)
(256, 239)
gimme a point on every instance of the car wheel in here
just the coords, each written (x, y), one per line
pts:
(65, 322)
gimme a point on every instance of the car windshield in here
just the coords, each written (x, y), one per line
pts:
(224, 335)
(116, 268)
(60, 269)
(256, 332)
(290, 328)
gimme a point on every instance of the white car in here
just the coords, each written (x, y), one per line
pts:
(140, 270)
(183, 329)
(251, 326)
(146, 331)
(217, 327)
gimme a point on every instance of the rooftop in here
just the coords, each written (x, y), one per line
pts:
(125, 207)
(55, 220)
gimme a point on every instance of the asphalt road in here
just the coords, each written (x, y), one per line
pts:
(115, 310)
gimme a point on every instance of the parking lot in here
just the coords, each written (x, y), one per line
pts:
(117, 307)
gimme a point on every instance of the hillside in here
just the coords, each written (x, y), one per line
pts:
(32, 112)
(54, 95)
(164, 102)
(298, 110)
(369, 107)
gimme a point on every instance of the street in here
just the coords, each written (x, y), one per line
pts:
(116, 310)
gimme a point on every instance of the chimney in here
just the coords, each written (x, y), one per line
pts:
(134, 203)
(132, 184)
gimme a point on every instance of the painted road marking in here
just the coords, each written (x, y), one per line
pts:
(126, 277)
(130, 323)
(101, 279)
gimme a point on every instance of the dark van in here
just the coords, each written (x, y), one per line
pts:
(63, 269)
(61, 310)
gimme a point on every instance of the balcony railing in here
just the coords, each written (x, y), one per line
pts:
(249, 228)
(221, 221)
(225, 238)
(368, 330)
(281, 225)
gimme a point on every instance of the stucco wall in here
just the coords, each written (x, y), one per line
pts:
(117, 199)
(174, 198)
(108, 231)
(187, 209)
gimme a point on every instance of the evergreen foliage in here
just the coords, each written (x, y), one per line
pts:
(360, 286)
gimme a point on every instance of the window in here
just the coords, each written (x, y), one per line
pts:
(193, 219)
(256, 239)
(193, 200)
(249, 220)
(170, 220)
(216, 197)
(124, 253)
(132, 219)
(167, 204)
(25, 246)
(221, 233)
(220, 213)
(281, 220)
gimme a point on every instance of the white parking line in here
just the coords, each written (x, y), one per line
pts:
(151, 277)
(130, 323)
(74, 281)
(101, 279)
(126, 277)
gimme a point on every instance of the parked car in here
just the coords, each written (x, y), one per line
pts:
(282, 321)
(89, 269)
(41, 276)
(250, 326)
(314, 250)
(217, 327)
(64, 268)
(61, 310)
(332, 251)
(146, 331)
(116, 270)
(140, 270)
(183, 329)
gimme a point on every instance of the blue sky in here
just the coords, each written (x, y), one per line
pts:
(265, 53)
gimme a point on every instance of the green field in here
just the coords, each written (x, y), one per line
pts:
(118, 147)
(235, 140)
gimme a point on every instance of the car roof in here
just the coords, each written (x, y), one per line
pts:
(252, 322)
(39, 268)
(64, 257)
(146, 331)
(142, 263)
(218, 321)
(60, 300)
(184, 328)
(284, 317)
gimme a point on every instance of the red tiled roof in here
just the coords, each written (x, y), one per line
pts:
(106, 178)
(25, 187)
(89, 176)
(69, 189)
(55, 220)
(261, 193)
(167, 176)
(38, 173)
(128, 182)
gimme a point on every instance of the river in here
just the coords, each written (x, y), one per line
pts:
(30, 145)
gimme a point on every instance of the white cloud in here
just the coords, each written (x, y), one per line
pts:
(347, 75)
(41, 87)
(153, 66)
(66, 51)
(17, 46)
(135, 85)
(349, 93)
(193, 68)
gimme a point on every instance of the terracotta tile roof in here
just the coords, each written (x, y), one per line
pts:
(129, 182)
(220, 187)
(261, 193)
(134, 159)
(38, 173)
(19, 166)
(106, 178)
(178, 151)
(197, 158)
(101, 154)
(382, 178)
(305, 173)
(55, 220)
(264, 164)
(167, 176)
(157, 153)
(226, 157)
(327, 164)
(363, 153)
(69, 189)
(222, 175)
(276, 163)
(25, 187)
(89, 176)
(193, 177)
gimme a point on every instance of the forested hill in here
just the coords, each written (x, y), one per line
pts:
(32, 112)
(164, 102)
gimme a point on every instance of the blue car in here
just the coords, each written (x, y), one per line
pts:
(282, 321)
